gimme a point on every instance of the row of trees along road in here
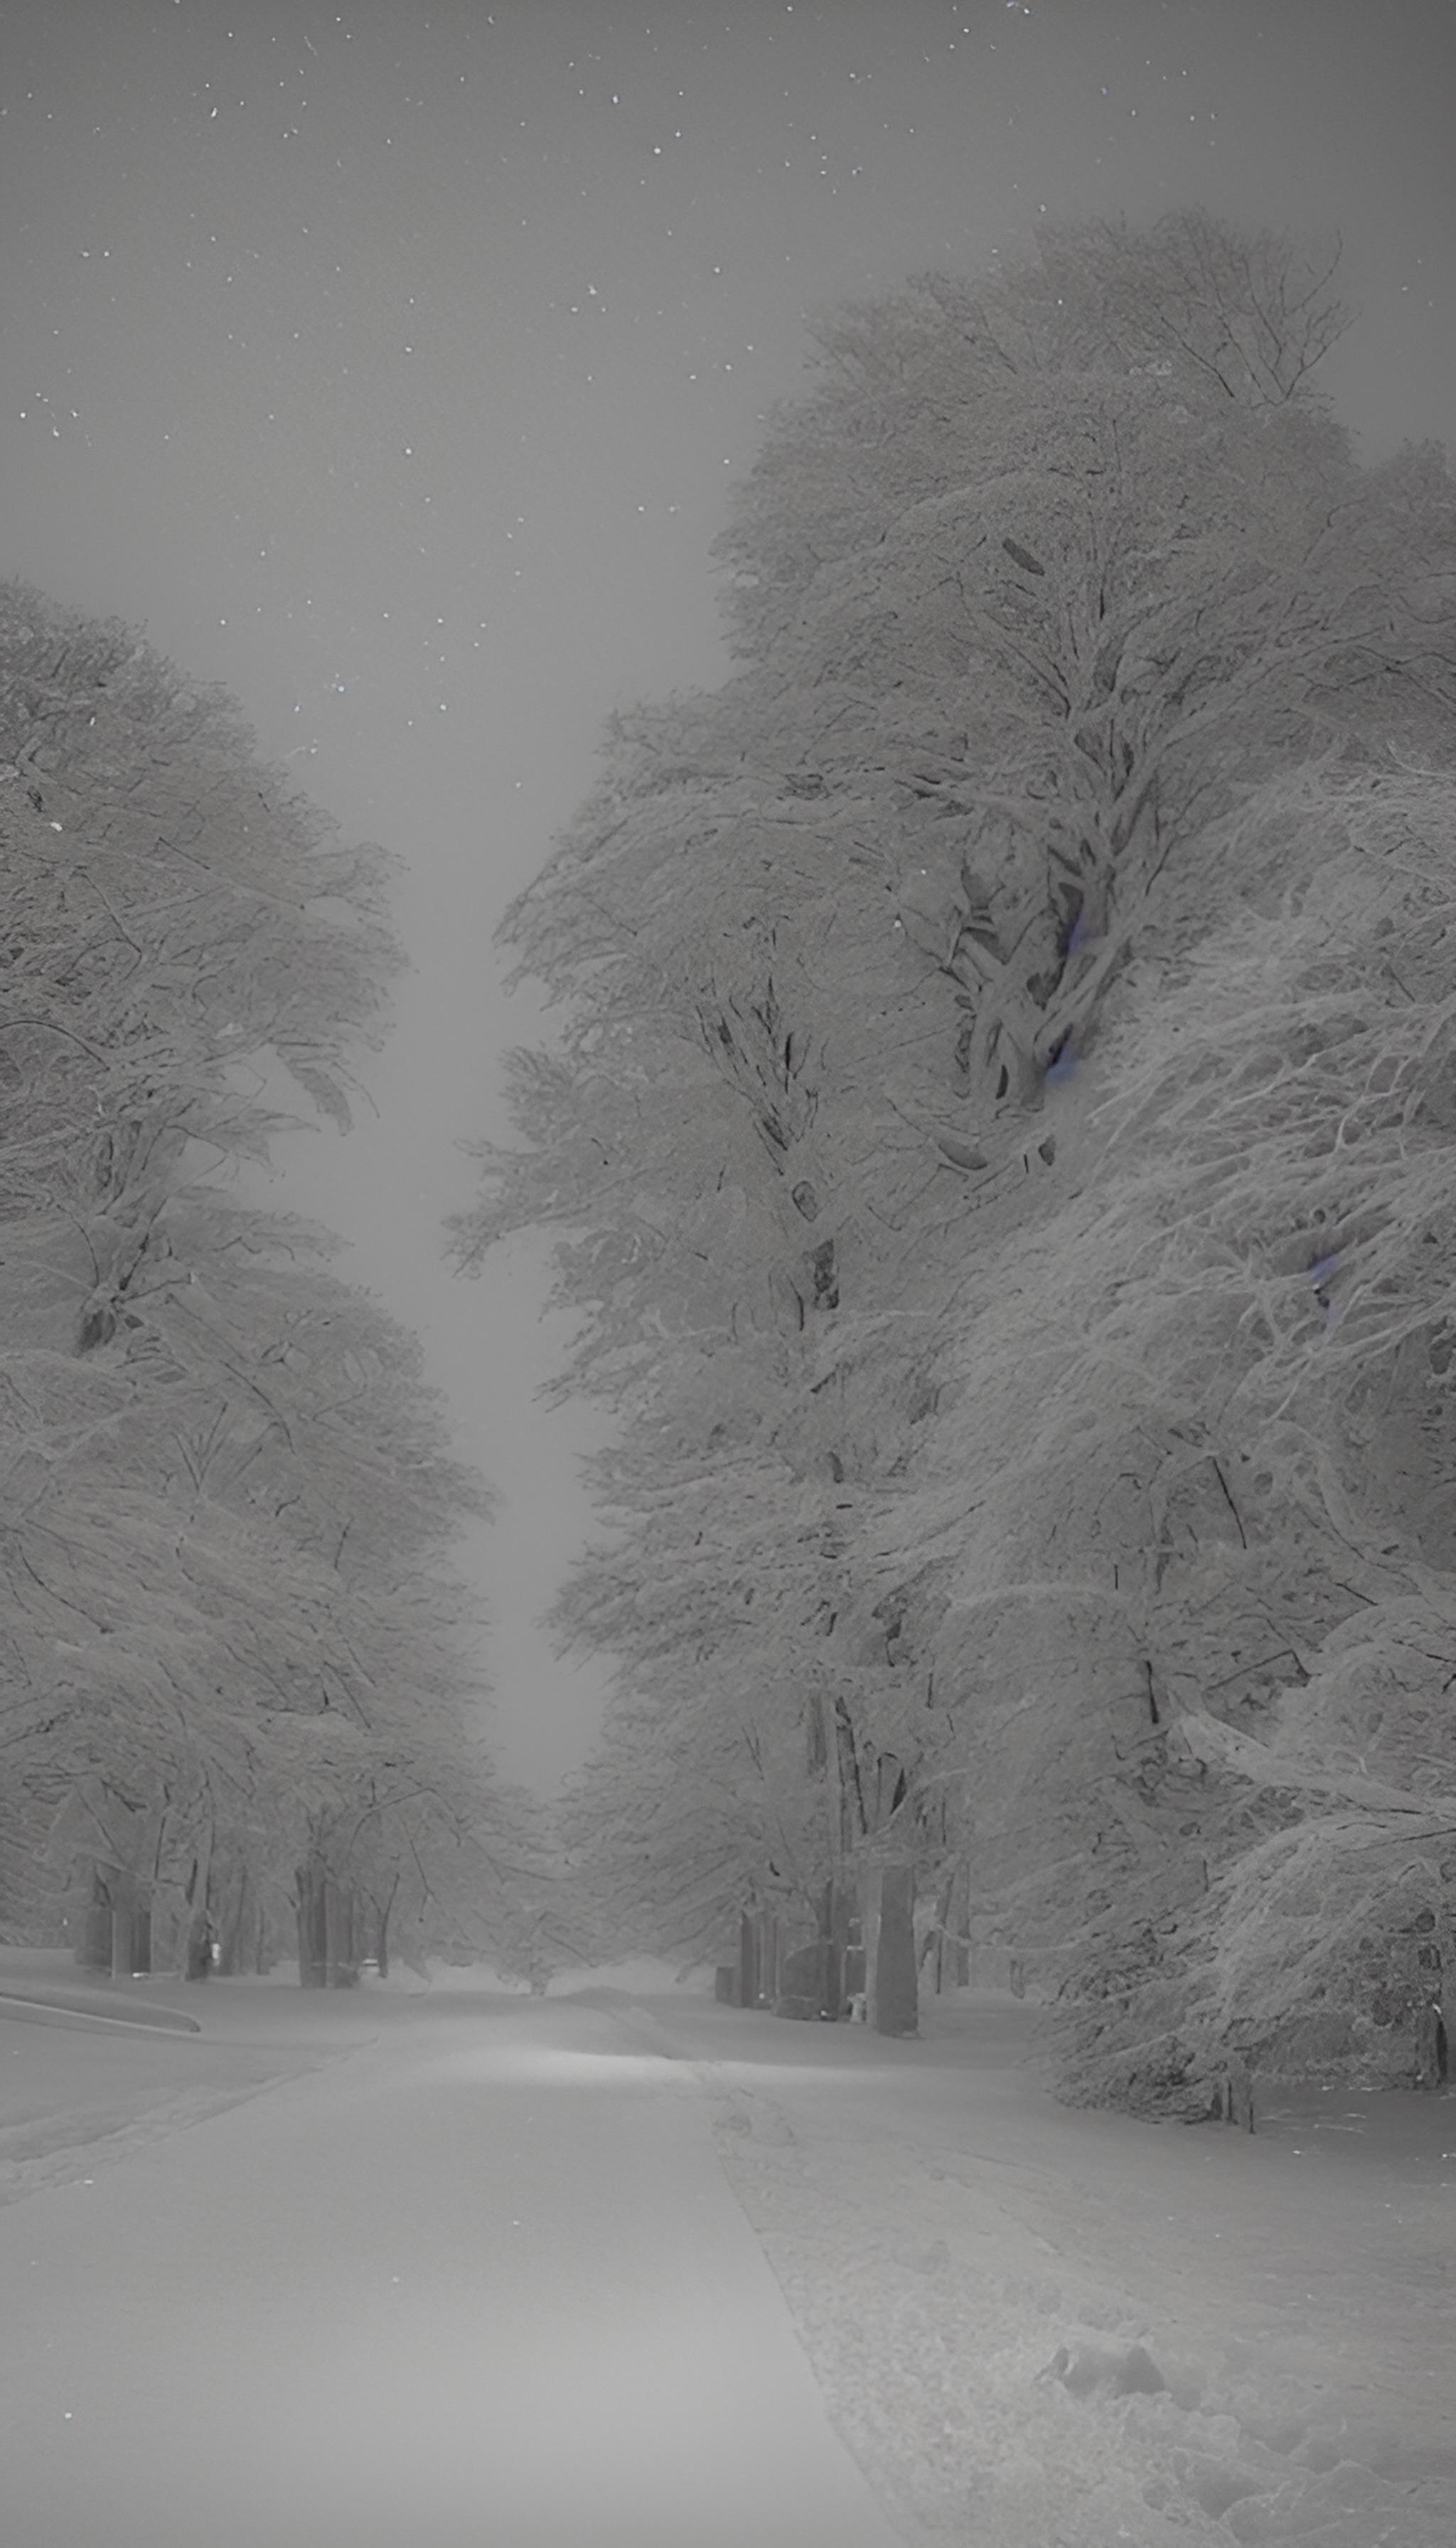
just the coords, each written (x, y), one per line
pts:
(236, 1685)
(999, 1140)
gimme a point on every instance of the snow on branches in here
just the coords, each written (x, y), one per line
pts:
(226, 1503)
(999, 1136)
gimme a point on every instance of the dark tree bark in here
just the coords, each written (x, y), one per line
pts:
(131, 1925)
(310, 1902)
(891, 1998)
(341, 1965)
(94, 1950)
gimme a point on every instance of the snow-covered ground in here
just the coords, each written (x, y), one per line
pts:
(478, 2282)
(441, 2266)
(979, 2272)
(79, 2095)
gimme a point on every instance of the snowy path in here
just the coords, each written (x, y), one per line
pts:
(466, 2268)
(482, 2281)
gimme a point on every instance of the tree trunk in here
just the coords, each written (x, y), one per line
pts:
(233, 1924)
(772, 1958)
(192, 1928)
(952, 1954)
(339, 1916)
(312, 1922)
(94, 1950)
(961, 1918)
(891, 2000)
(837, 1919)
(748, 1962)
(130, 1926)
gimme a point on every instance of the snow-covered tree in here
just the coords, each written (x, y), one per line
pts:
(235, 1660)
(1185, 1515)
(1019, 615)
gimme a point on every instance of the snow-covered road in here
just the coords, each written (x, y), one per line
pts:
(464, 2267)
(480, 2281)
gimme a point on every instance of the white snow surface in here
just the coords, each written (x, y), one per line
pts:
(420, 2266)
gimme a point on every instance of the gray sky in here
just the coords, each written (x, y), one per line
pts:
(393, 363)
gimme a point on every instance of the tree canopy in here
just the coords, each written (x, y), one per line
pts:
(996, 1133)
(234, 1643)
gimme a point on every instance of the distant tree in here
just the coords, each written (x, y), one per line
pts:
(154, 1626)
(699, 1802)
(534, 1925)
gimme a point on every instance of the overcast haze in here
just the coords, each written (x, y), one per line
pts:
(392, 365)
